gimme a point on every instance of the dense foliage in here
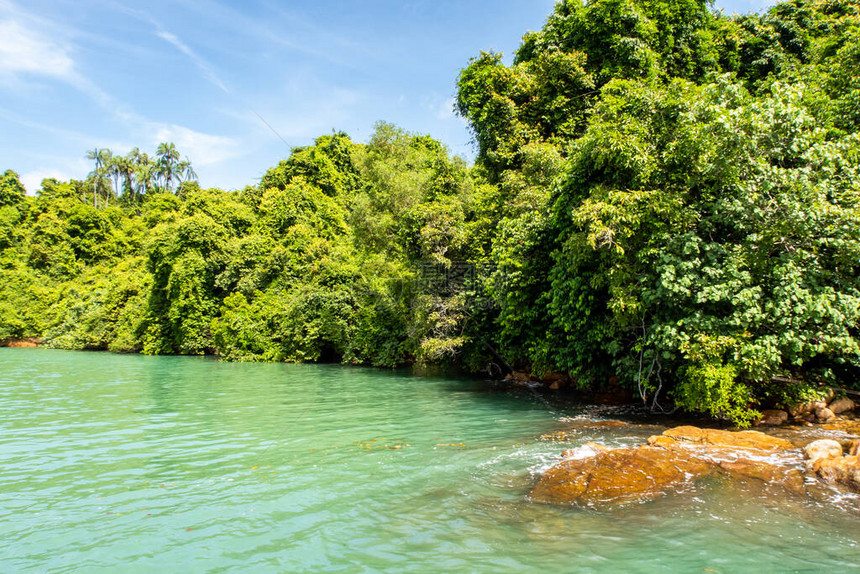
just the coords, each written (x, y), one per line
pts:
(664, 196)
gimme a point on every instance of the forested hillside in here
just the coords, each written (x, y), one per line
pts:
(663, 195)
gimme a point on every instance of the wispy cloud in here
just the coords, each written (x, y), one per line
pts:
(205, 67)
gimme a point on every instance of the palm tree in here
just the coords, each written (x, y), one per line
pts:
(144, 173)
(96, 155)
(168, 163)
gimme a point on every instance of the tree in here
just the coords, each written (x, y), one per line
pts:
(12, 191)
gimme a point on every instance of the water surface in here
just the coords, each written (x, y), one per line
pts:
(142, 464)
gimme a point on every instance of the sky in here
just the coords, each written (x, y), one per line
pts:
(236, 85)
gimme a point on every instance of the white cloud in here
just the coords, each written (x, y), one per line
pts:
(201, 149)
(25, 51)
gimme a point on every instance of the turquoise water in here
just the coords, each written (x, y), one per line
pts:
(141, 464)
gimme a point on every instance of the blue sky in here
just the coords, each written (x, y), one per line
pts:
(235, 85)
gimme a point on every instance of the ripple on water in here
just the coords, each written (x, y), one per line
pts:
(111, 462)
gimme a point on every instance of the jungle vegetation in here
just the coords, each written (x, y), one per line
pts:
(663, 195)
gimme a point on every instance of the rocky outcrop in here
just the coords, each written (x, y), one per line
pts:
(716, 438)
(671, 461)
(617, 477)
(22, 343)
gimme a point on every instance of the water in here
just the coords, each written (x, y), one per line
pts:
(144, 464)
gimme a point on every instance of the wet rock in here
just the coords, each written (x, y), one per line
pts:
(844, 471)
(519, 378)
(824, 415)
(619, 476)
(854, 448)
(842, 405)
(663, 442)
(790, 479)
(727, 439)
(846, 426)
(773, 417)
(556, 381)
(586, 450)
(824, 448)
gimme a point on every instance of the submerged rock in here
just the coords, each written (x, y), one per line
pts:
(619, 476)
(613, 477)
(790, 479)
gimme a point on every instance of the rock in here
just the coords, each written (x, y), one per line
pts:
(727, 439)
(829, 394)
(619, 476)
(575, 426)
(824, 415)
(23, 344)
(844, 471)
(556, 381)
(854, 449)
(807, 408)
(586, 450)
(519, 377)
(663, 442)
(790, 479)
(842, 405)
(824, 448)
(773, 418)
(847, 426)
(597, 447)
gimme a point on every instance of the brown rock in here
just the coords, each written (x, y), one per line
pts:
(790, 479)
(663, 442)
(597, 447)
(577, 452)
(773, 418)
(25, 344)
(854, 449)
(619, 476)
(844, 471)
(824, 415)
(842, 405)
(824, 448)
(727, 439)
(807, 408)
(519, 377)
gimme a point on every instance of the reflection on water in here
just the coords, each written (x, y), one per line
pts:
(137, 463)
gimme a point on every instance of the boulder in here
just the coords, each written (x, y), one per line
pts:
(844, 471)
(727, 439)
(773, 417)
(619, 476)
(842, 405)
(807, 408)
(824, 448)
(824, 415)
